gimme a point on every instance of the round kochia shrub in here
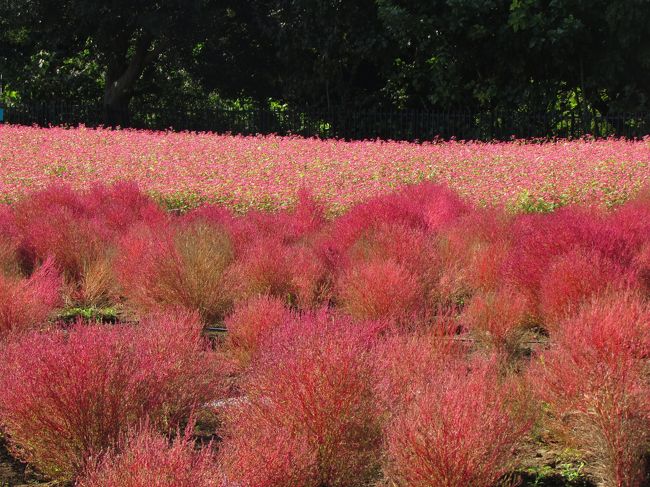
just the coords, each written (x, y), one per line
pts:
(309, 417)
(250, 325)
(67, 395)
(27, 302)
(575, 277)
(499, 318)
(79, 230)
(457, 430)
(164, 266)
(380, 290)
(148, 459)
(595, 380)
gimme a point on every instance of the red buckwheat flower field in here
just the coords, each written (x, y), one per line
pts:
(265, 172)
(322, 313)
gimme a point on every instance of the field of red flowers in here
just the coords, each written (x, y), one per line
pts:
(183, 169)
(417, 339)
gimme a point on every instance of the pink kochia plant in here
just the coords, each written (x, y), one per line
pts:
(380, 289)
(499, 318)
(458, 429)
(262, 268)
(403, 362)
(10, 265)
(595, 380)
(78, 230)
(540, 239)
(473, 249)
(574, 278)
(309, 417)
(146, 458)
(68, 395)
(250, 325)
(26, 303)
(184, 265)
(410, 214)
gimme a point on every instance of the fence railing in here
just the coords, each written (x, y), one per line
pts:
(348, 124)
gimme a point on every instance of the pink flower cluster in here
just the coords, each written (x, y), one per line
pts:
(267, 171)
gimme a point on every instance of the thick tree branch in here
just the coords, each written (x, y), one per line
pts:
(118, 87)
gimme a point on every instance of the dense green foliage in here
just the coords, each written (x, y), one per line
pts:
(320, 54)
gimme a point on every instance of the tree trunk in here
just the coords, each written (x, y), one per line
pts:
(119, 82)
(116, 108)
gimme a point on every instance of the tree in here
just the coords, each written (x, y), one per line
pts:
(330, 53)
(317, 55)
(600, 48)
(125, 37)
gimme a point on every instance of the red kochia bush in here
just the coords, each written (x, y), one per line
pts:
(309, 417)
(499, 317)
(473, 249)
(275, 255)
(261, 268)
(629, 226)
(304, 220)
(67, 395)
(573, 278)
(10, 264)
(457, 430)
(27, 302)
(426, 206)
(407, 246)
(402, 363)
(538, 239)
(148, 459)
(164, 266)
(250, 325)
(310, 281)
(380, 289)
(75, 227)
(79, 229)
(595, 380)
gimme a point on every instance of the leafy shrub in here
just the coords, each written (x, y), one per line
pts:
(403, 362)
(458, 430)
(97, 286)
(380, 289)
(250, 325)
(629, 227)
(309, 417)
(540, 238)
(473, 248)
(27, 302)
(594, 378)
(573, 278)
(167, 266)
(499, 317)
(79, 231)
(297, 225)
(310, 281)
(146, 458)
(10, 265)
(426, 206)
(304, 220)
(410, 248)
(261, 268)
(70, 395)
(641, 268)
(397, 242)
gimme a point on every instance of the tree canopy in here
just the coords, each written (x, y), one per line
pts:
(319, 54)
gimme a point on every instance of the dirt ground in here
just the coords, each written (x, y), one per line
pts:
(16, 474)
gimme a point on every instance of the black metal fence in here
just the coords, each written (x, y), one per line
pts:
(349, 124)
